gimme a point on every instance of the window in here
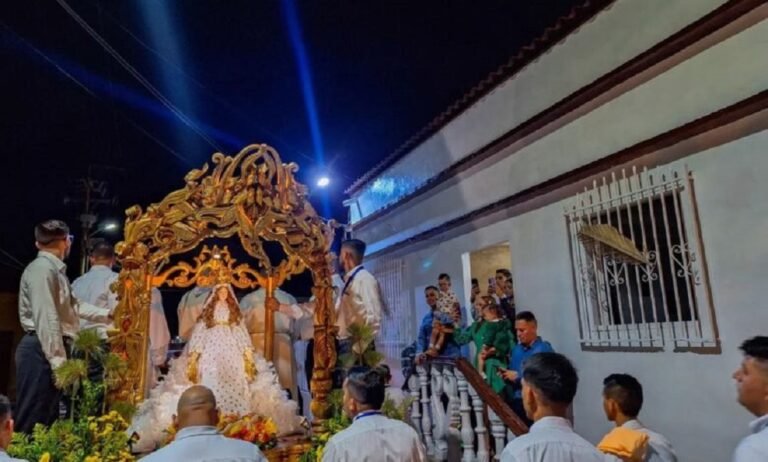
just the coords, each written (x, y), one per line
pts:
(642, 303)
(397, 322)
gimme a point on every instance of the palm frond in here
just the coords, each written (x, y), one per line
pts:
(372, 358)
(70, 373)
(88, 342)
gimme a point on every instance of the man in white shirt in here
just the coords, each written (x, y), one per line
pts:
(50, 317)
(622, 401)
(197, 439)
(6, 429)
(252, 307)
(549, 386)
(371, 437)
(752, 385)
(360, 301)
(94, 286)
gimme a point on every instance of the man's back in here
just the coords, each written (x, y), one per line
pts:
(205, 444)
(375, 438)
(551, 439)
(93, 287)
(659, 448)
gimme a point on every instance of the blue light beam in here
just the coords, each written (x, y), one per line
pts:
(291, 18)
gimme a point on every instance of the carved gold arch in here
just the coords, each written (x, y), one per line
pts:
(252, 195)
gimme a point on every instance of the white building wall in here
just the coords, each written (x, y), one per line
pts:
(690, 397)
(633, 27)
(719, 76)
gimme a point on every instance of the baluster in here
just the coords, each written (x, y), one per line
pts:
(467, 436)
(498, 431)
(426, 422)
(439, 417)
(453, 396)
(413, 389)
(480, 430)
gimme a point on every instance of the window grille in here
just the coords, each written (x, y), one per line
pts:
(398, 322)
(667, 298)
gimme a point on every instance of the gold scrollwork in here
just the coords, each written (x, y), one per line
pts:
(252, 195)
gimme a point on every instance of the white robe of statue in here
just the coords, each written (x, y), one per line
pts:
(217, 355)
(252, 307)
(190, 307)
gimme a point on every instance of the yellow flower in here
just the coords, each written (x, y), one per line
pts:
(45, 457)
(270, 426)
(320, 453)
(91, 459)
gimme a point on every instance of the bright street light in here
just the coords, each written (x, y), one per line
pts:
(108, 226)
(323, 181)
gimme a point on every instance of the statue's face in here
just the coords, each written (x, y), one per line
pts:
(221, 293)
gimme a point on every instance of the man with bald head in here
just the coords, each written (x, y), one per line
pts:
(197, 439)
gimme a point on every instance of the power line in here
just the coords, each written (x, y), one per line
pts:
(85, 88)
(137, 75)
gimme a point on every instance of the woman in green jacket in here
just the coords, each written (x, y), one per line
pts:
(492, 336)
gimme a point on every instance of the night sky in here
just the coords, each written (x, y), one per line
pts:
(333, 86)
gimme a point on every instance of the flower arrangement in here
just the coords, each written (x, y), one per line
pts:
(88, 439)
(255, 429)
(91, 433)
(252, 428)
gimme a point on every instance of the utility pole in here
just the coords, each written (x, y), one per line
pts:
(95, 193)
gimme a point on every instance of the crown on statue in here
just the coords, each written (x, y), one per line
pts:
(215, 266)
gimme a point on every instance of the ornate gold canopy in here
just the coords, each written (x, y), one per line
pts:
(252, 195)
(213, 266)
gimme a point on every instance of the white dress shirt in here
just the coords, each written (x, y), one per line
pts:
(48, 307)
(4, 457)
(659, 448)
(190, 307)
(205, 444)
(551, 439)
(252, 307)
(93, 287)
(360, 303)
(375, 438)
(754, 447)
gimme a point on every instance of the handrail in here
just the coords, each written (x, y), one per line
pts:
(491, 398)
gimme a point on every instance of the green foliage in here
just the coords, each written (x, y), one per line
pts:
(361, 336)
(70, 374)
(393, 411)
(89, 435)
(88, 439)
(89, 344)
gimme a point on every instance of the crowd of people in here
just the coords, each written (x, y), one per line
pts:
(537, 383)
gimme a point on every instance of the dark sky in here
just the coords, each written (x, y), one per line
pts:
(379, 72)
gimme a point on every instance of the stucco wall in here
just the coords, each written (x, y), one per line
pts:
(616, 35)
(689, 397)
